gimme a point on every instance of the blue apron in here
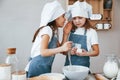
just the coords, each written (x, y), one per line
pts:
(40, 64)
(79, 60)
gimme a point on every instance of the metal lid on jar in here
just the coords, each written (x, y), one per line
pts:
(11, 50)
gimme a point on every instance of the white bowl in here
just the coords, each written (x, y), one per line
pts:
(75, 72)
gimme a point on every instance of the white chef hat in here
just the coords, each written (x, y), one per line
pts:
(77, 10)
(82, 9)
(51, 11)
(86, 6)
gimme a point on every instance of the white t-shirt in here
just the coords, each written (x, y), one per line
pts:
(35, 51)
(91, 34)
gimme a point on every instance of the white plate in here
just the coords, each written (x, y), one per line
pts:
(59, 75)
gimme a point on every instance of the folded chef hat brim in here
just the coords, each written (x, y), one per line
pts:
(82, 9)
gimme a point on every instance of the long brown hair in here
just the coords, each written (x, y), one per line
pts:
(87, 25)
(51, 24)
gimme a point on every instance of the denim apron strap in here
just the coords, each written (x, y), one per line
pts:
(85, 32)
(79, 60)
(40, 64)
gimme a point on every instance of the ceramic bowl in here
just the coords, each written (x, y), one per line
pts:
(75, 72)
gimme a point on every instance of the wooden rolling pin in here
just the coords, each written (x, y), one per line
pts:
(100, 77)
(45, 78)
(39, 78)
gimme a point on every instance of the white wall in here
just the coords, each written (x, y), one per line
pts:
(20, 18)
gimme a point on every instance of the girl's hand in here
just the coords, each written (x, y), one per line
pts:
(83, 53)
(66, 46)
(73, 51)
(67, 28)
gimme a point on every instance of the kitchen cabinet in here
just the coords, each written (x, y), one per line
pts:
(99, 10)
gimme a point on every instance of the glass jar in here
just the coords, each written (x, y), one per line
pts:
(111, 68)
(12, 59)
(108, 4)
(20, 75)
(118, 75)
(5, 72)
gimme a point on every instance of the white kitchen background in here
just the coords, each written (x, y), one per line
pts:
(20, 18)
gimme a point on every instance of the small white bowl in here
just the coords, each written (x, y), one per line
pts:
(75, 72)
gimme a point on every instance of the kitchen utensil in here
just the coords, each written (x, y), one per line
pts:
(52, 76)
(100, 77)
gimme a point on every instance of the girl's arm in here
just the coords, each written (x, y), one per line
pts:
(48, 52)
(66, 32)
(95, 51)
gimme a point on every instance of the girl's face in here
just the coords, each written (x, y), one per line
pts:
(60, 21)
(79, 21)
